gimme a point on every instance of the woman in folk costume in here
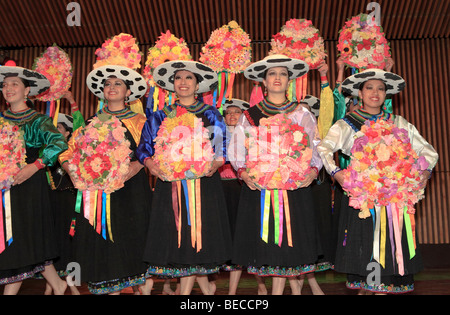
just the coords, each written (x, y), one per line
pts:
(380, 237)
(110, 252)
(27, 236)
(276, 234)
(189, 234)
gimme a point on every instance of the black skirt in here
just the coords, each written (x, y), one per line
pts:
(109, 262)
(162, 252)
(34, 241)
(322, 193)
(269, 258)
(354, 255)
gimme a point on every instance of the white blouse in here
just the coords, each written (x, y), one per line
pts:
(237, 152)
(341, 136)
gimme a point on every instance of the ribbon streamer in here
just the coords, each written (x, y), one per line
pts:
(281, 212)
(97, 210)
(409, 219)
(192, 195)
(2, 232)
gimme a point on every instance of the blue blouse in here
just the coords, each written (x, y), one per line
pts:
(216, 126)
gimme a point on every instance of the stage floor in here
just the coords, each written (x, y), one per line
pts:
(428, 282)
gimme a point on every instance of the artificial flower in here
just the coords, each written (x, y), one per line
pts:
(56, 66)
(362, 43)
(384, 169)
(278, 153)
(12, 153)
(299, 39)
(101, 157)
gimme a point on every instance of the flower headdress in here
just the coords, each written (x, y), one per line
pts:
(362, 43)
(120, 50)
(299, 39)
(55, 64)
(167, 48)
(228, 52)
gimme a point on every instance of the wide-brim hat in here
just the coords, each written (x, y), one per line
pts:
(296, 67)
(394, 83)
(164, 75)
(134, 81)
(37, 82)
(236, 103)
(66, 120)
(313, 103)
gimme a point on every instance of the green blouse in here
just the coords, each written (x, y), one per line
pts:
(39, 134)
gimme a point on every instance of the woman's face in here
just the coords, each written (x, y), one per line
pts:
(115, 90)
(185, 84)
(14, 90)
(277, 80)
(373, 95)
(232, 115)
(63, 130)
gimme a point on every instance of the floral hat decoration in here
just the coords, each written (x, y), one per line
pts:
(118, 57)
(167, 48)
(228, 52)
(56, 66)
(362, 43)
(299, 39)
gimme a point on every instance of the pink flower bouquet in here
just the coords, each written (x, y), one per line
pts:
(362, 43)
(228, 49)
(55, 65)
(183, 149)
(101, 158)
(12, 153)
(278, 154)
(299, 39)
(384, 169)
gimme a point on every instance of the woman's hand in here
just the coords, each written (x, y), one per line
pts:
(339, 177)
(310, 177)
(424, 179)
(154, 169)
(215, 166)
(27, 172)
(135, 167)
(246, 178)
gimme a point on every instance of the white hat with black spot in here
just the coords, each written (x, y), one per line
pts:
(313, 103)
(135, 82)
(394, 83)
(37, 82)
(236, 103)
(296, 67)
(164, 75)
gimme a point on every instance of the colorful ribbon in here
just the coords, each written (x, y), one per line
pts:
(97, 209)
(279, 201)
(394, 219)
(192, 196)
(6, 234)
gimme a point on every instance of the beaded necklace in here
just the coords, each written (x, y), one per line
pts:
(120, 114)
(270, 109)
(20, 118)
(197, 108)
